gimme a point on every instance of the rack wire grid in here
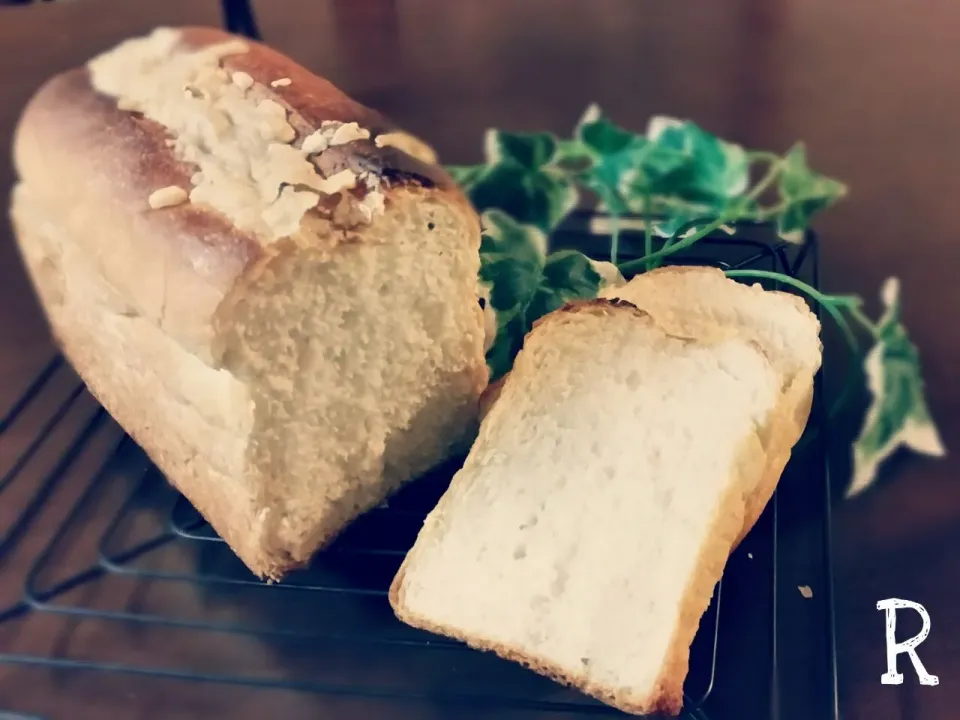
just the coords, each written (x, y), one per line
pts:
(129, 548)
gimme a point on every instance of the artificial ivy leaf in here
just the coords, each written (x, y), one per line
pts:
(573, 157)
(523, 283)
(511, 261)
(627, 168)
(466, 176)
(567, 275)
(522, 180)
(898, 414)
(610, 275)
(602, 136)
(803, 193)
(572, 275)
(529, 150)
(542, 198)
(506, 344)
(612, 151)
(674, 223)
(715, 171)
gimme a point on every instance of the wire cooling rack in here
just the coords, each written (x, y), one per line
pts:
(132, 559)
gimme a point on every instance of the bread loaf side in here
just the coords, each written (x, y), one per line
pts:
(276, 303)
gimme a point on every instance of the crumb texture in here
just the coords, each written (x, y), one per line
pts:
(364, 367)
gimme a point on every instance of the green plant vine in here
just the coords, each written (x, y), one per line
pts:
(685, 184)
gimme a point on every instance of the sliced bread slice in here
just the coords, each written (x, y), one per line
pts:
(684, 298)
(620, 464)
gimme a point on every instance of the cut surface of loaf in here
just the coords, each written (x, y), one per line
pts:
(611, 478)
(273, 299)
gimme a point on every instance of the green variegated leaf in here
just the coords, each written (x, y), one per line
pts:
(673, 224)
(687, 222)
(683, 181)
(511, 261)
(504, 347)
(898, 415)
(521, 179)
(716, 171)
(511, 265)
(466, 176)
(567, 275)
(521, 283)
(803, 193)
(571, 274)
(542, 198)
(627, 169)
(528, 150)
(610, 275)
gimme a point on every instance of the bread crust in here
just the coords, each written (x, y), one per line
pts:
(75, 148)
(86, 171)
(761, 455)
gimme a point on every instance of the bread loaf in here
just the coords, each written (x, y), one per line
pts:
(636, 440)
(269, 287)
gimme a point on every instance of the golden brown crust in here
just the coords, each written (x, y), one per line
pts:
(86, 171)
(132, 153)
(75, 149)
(790, 418)
(87, 334)
(726, 528)
(128, 150)
(554, 672)
(317, 100)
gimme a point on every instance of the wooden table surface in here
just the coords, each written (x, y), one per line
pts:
(866, 83)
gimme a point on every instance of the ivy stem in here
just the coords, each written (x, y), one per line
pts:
(776, 164)
(608, 199)
(762, 155)
(614, 237)
(652, 259)
(856, 312)
(832, 307)
(635, 266)
(647, 229)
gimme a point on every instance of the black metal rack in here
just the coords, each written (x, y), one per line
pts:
(330, 621)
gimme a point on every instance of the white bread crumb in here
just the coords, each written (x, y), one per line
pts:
(281, 82)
